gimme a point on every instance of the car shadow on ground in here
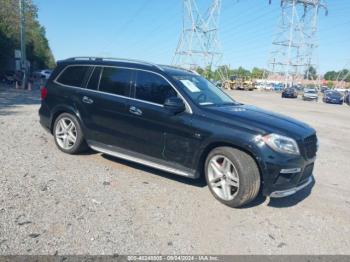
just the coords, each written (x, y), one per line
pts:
(185, 180)
(285, 202)
(11, 98)
(292, 200)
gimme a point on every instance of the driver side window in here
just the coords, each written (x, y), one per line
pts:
(153, 88)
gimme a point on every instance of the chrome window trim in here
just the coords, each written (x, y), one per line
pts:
(58, 76)
(188, 107)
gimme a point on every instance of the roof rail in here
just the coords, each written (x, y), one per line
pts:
(91, 58)
(182, 68)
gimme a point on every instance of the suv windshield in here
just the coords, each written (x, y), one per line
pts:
(203, 92)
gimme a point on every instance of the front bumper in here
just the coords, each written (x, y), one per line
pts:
(291, 191)
(310, 98)
(333, 101)
(284, 175)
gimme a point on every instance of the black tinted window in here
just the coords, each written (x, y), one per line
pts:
(115, 81)
(73, 76)
(95, 77)
(153, 88)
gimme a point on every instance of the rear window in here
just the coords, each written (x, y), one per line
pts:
(73, 76)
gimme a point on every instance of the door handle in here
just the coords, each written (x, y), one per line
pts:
(134, 110)
(87, 100)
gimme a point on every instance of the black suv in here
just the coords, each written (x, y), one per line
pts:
(175, 120)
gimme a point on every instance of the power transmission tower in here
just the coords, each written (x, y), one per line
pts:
(199, 45)
(295, 41)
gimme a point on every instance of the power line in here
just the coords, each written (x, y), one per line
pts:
(127, 23)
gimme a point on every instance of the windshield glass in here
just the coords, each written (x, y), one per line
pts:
(310, 91)
(334, 94)
(203, 92)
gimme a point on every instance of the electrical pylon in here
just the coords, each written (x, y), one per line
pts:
(199, 45)
(293, 47)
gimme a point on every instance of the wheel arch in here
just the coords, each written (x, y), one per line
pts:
(64, 109)
(221, 143)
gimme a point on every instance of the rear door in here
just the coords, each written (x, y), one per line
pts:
(105, 99)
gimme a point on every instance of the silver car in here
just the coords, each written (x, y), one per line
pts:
(310, 94)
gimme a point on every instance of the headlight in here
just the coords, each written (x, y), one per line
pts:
(281, 144)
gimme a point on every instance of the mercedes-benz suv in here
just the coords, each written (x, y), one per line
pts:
(175, 120)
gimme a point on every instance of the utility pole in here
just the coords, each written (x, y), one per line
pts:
(23, 42)
(296, 41)
(199, 46)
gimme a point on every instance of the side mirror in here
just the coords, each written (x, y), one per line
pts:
(175, 105)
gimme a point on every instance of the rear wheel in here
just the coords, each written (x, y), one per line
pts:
(68, 134)
(232, 176)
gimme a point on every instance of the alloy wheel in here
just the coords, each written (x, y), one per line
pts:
(66, 133)
(223, 177)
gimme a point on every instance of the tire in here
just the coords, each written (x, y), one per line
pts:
(243, 167)
(76, 145)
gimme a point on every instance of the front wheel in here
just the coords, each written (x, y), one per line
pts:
(232, 176)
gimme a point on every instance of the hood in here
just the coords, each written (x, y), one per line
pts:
(333, 96)
(261, 121)
(310, 95)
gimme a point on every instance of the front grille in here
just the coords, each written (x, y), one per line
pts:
(310, 146)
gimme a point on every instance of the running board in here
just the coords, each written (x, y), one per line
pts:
(142, 161)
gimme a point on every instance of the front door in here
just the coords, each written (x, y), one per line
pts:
(154, 131)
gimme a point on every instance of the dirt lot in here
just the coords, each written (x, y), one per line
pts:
(52, 203)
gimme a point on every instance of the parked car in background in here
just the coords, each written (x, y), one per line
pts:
(347, 98)
(333, 97)
(176, 121)
(8, 77)
(310, 94)
(289, 92)
(278, 87)
(324, 89)
(45, 73)
(218, 84)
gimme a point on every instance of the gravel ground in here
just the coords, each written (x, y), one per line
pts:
(53, 203)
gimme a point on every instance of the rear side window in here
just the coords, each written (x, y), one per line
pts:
(116, 81)
(73, 76)
(153, 88)
(94, 79)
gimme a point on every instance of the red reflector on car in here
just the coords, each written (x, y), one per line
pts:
(43, 93)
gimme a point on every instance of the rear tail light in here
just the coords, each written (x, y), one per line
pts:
(43, 93)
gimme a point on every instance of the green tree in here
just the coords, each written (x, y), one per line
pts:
(330, 75)
(257, 73)
(310, 73)
(37, 46)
